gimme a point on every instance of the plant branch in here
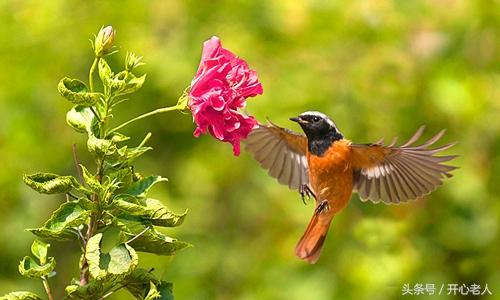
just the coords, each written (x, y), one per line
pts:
(151, 113)
(91, 73)
(95, 114)
(46, 285)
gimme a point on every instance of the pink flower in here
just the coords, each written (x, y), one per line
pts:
(220, 88)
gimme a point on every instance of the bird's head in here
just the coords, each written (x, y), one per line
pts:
(317, 125)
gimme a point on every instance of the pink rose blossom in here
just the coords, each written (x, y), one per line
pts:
(220, 88)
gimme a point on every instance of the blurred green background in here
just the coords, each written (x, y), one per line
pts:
(378, 68)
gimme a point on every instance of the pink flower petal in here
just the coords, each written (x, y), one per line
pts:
(221, 86)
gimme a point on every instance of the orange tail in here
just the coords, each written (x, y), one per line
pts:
(310, 244)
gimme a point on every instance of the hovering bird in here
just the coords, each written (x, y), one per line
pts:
(325, 165)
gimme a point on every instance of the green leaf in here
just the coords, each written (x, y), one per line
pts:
(82, 119)
(138, 283)
(134, 153)
(101, 147)
(76, 92)
(48, 183)
(132, 61)
(39, 250)
(105, 72)
(62, 224)
(29, 268)
(156, 242)
(20, 296)
(124, 156)
(153, 210)
(91, 181)
(121, 260)
(133, 84)
(151, 241)
(152, 293)
(124, 176)
(125, 82)
(117, 137)
(141, 187)
(166, 290)
(92, 290)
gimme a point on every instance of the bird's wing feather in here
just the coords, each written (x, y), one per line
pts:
(398, 174)
(280, 151)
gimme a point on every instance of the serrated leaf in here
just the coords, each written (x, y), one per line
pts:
(101, 147)
(90, 180)
(151, 241)
(39, 250)
(29, 268)
(92, 290)
(152, 210)
(82, 119)
(49, 183)
(121, 260)
(22, 295)
(141, 187)
(62, 223)
(76, 92)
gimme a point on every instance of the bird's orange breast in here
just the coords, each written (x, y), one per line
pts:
(331, 174)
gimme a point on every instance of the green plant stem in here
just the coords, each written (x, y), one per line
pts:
(154, 112)
(46, 285)
(91, 73)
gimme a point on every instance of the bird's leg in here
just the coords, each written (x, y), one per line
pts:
(322, 206)
(305, 191)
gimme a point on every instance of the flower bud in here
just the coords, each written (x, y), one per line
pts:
(104, 41)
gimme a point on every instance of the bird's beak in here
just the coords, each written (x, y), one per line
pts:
(299, 120)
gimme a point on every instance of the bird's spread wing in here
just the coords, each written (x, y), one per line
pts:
(282, 152)
(398, 174)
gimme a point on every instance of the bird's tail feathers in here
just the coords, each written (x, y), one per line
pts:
(310, 244)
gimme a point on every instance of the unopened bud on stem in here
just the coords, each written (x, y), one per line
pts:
(104, 41)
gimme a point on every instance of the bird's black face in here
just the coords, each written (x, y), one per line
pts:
(315, 124)
(320, 130)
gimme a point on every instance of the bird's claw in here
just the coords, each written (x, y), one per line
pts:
(322, 206)
(305, 191)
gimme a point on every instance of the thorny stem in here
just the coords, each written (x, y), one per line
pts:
(154, 112)
(46, 285)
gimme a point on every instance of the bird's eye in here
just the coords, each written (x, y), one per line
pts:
(315, 119)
